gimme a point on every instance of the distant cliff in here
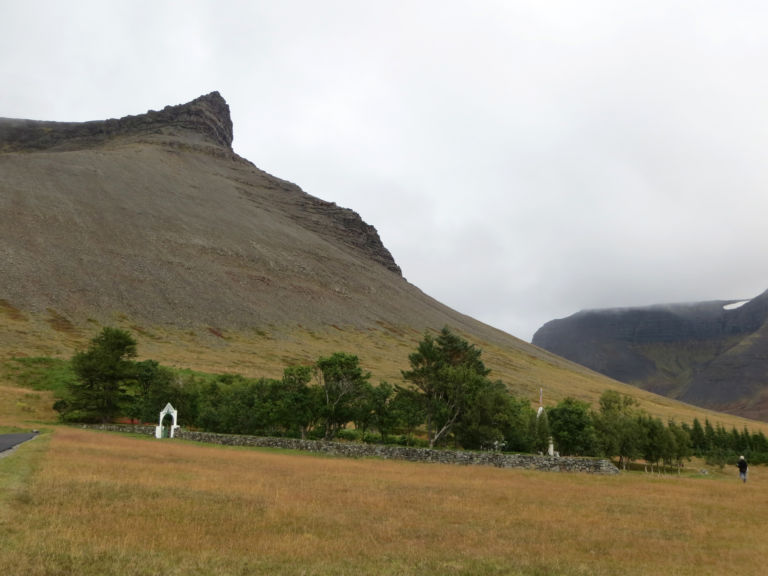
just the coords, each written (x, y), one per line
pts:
(713, 354)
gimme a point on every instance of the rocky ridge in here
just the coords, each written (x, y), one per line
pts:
(207, 116)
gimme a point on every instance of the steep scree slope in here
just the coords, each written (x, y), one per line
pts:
(155, 216)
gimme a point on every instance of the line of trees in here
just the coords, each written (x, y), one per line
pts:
(446, 398)
(620, 429)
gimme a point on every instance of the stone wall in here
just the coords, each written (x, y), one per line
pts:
(389, 452)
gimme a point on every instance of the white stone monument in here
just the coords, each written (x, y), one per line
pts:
(159, 428)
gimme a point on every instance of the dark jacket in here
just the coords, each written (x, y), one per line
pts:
(742, 466)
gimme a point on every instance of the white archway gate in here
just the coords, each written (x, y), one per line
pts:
(174, 414)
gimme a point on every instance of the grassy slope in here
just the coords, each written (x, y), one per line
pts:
(383, 351)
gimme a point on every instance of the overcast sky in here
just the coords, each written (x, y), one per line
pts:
(522, 160)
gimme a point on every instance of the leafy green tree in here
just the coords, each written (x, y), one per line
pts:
(407, 410)
(746, 441)
(710, 437)
(738, 443)
(362, 409)
(242, 413)
(211, 398)
(514, 419)
(668, 445)
(185, 396)
(683, 446)
(698, 438)
(540, 431)
(486, 417)
(381, 401)
(103, 373)
(342, 381)
(658, 441)
(723, 438)
(301, 405)
(759, 442)
(496, 419)
(616, 427)
(152, 391)
(572, 427)
(449, 374)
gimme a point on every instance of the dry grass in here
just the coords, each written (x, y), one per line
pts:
(20, 407)
(105, 504)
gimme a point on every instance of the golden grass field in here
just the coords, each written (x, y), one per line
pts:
(83, 502)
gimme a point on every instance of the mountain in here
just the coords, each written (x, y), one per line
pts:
(153, 223)
(712, 354)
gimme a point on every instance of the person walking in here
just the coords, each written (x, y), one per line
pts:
(743, 466)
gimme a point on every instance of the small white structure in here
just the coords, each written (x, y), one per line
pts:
(541, 403)
(159, 428)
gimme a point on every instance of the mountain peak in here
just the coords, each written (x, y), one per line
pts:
(206, 118)
(208, 114)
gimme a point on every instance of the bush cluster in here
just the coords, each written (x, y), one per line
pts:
(446, 399)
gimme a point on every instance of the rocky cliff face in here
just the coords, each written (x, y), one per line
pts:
(713, 354)
(206, 117)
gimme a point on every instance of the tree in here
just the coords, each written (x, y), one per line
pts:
(362, 409)
(381, 400)
(104, 372)
(520, 426)
(617, 428)
(710, 438)
(494, 418)
(658, 441)
(480, 425)
(540, 430)
(407, 409)
(449, 374)
(698, 438)
(151, 392)
(300, 406)
(683, 449)
(342, 380)
(211, 398)
(759, 443)
(572, 428)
